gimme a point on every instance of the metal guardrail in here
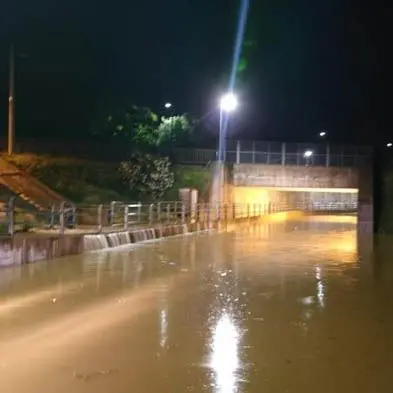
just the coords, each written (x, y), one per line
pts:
(240, 152)
(117, 215)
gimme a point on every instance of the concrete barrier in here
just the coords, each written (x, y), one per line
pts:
(28, 248)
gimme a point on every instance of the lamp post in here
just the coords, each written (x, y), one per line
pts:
(168, 106)
(228, 103)
(307, 155)
(11, 102)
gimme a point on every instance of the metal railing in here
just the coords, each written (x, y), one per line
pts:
(119, 216)
(277, 153)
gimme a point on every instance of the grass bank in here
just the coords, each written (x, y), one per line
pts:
(91, 182)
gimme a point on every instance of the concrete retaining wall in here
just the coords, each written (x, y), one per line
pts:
(294, 176)
(26, 248)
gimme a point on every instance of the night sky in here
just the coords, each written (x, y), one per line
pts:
(305, 67)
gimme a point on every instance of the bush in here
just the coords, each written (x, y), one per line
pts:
(148, 176)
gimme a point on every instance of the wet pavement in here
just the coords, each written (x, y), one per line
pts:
(282, 307)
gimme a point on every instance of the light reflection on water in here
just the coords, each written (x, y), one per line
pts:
(294, 307)
(224, 360)
(320, 286)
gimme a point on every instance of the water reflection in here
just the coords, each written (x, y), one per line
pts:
(320, 287)
(224, 358)
(163, 317)
(268, 308)
(225, 318)
(163, 327)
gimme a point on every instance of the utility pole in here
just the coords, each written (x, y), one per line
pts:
(11, 103)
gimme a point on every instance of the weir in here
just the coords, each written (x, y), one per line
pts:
(25, 248)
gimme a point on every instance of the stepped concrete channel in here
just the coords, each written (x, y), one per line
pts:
(29, 248)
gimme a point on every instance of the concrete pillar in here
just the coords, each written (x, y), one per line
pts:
(283, 153)
(327, 155)
(218, 188)
(237, 152)
(365, 197)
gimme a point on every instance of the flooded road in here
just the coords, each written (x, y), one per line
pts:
(282, 307)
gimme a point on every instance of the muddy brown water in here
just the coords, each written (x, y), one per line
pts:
(298, 307)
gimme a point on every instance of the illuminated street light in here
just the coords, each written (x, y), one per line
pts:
(168, 105)
(322, 134)
(228, 102)
(308, 153)
(389, 144)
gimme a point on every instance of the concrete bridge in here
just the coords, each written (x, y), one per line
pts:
(316, 176)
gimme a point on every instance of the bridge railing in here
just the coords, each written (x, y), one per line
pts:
(274, 153)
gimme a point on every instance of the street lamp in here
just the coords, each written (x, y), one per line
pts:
(307, 155)
(322, 134)
(389, 144)
(228, 103)
(168, 106)
(11, 102)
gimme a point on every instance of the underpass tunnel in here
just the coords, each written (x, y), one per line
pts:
(316, 200)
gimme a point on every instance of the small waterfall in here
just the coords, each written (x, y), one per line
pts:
(139, 236)
(152, 233)
(95, 242)
(10, 256)
(35, 254)
(118, 239)
(144, 233)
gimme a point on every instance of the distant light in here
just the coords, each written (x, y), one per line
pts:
(308, 153)
(322, 133)
(168, 105)
(228, 102)
(389, 144)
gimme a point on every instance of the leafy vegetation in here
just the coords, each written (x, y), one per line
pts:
(90, 182)
(144, 129)
(148, 176)
(81, 181)
(144, 176)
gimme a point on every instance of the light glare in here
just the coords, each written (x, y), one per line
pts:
(308, 153)
(228, 102)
